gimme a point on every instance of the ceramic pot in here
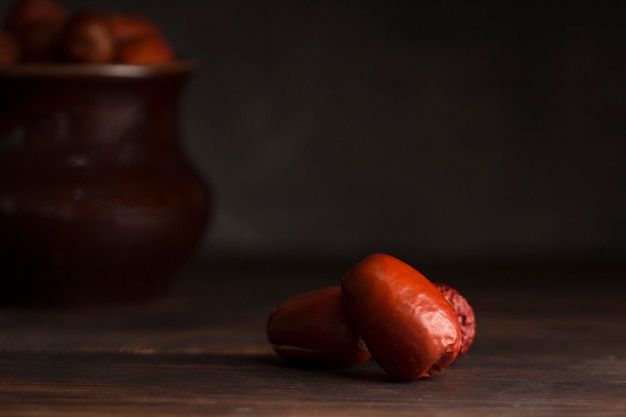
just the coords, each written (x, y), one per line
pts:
(98, 203)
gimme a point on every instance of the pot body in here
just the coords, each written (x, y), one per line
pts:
(98, 204)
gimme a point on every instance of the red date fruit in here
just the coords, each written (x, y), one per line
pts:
(464, 312)
(36, 25)
(408, 326)
(127, 28)
(88, 38)
(145, 51)
(313, 328)
(26, 12)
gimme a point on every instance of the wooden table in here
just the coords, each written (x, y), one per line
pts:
(551, 341)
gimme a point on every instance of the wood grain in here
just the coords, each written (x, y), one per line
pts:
(540, 350)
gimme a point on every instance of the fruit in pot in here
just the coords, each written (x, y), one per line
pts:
(36, 25)
(139, 41)
(127, 27)
(45, 32)
(408, 326)
(313, 328)
(145, 51)
(88, 38)
(26, 12)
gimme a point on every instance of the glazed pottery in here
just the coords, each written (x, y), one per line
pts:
(98, 202)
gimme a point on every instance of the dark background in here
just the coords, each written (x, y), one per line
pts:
(432, 131)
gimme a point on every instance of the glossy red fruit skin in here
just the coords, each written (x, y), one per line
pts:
(313, 329)
(408, 326)
(464, 312)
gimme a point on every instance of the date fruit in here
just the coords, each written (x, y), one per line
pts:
(88, 38)
(36, 25)
(127, 28)
(145, 51)
(46, 32)
(408, 326)
(313, 328)
(26, 12)
(464, 312)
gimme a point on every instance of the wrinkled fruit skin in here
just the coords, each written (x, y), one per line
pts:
(464, 312)
(313, 329)
(145, 51)
(408, 326)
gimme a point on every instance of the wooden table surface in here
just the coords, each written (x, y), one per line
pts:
(551, 341)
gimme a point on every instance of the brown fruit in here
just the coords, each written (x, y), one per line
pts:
(464, 313)
(127, 27)
(145, 51)
(313, 328)
(27, 12)
(36, 24)
(408, 326)
(88, 38)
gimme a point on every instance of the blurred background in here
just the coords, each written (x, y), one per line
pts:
(427, 130)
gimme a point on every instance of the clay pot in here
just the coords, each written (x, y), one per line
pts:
(98, 204)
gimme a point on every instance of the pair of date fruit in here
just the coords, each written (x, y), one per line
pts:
(43, 31)
(384, 309)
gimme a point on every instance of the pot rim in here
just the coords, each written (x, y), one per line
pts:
(65, 70)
